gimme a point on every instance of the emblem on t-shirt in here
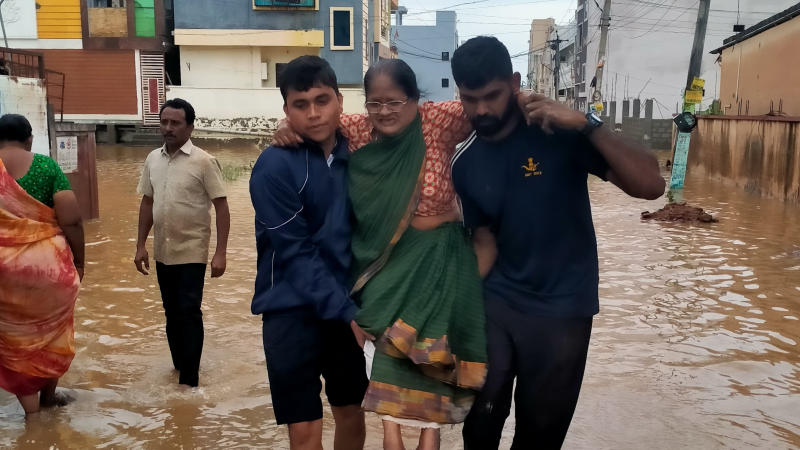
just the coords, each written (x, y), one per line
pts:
(531, 168)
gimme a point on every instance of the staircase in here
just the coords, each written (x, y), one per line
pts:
(141, 137)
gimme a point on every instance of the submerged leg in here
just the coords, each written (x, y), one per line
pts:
(392, 436)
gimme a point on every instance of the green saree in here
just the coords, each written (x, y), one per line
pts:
(419, 291)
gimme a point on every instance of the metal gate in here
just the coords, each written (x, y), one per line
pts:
(153, 90)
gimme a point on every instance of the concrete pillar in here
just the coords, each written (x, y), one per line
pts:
(648, 108)
(637, 108)
(626, 108)
(612, 112)
(79, 164)
(112, 137)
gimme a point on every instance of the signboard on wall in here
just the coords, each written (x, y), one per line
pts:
(681, 156)
(19, 19)
(285, 3)
(67, 153)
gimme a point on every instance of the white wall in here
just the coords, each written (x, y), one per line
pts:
(246, 110)
(224, 67)
(273, 55)
(234, 67)
(19, 18)
(27, 96)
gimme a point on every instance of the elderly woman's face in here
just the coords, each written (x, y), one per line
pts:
(389, 108)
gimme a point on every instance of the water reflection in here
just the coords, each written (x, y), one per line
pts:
(695, 346)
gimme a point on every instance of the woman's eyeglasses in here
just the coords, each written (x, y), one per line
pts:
(392, 106)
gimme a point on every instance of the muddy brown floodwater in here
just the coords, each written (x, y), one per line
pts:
(696, 343)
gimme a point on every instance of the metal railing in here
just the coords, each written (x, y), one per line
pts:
(55, 83)
(21, 63)
(25, 64)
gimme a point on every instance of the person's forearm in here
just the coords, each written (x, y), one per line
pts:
(486, 259)
(145, 222)
(223, 226)
(485, 247)
(633, 168)
(74, 235)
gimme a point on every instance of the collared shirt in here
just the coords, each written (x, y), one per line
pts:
(182, 187)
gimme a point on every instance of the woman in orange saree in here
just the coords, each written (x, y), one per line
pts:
(39, 269)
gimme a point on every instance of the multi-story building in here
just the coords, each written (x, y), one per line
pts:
(562, 46)
(648, 47)
(540, 60)
(427, 49)
(111, 53)
(586, 46)
(232, 53)
(551, 59)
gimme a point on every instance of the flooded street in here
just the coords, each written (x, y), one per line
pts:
(695, 346)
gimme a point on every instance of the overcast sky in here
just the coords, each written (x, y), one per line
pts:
(649, 39)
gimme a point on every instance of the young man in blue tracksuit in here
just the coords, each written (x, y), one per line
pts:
(303, 242)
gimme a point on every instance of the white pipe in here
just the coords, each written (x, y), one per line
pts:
(3, 25)
(738, 72)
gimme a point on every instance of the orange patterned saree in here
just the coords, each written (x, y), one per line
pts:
(38, 289)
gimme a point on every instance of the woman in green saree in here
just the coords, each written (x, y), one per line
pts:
(416, 277)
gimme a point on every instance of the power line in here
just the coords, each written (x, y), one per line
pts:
(404, 52)
(657, 22)
(642, 11)
(413, 46)
(428, 11)
(661, 5)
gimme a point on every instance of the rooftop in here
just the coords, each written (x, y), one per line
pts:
(760, 27)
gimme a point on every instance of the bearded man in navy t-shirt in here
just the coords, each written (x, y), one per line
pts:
(522, 181)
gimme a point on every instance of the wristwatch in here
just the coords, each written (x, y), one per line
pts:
(592, 123)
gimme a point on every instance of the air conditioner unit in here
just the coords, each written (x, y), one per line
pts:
(264, 71)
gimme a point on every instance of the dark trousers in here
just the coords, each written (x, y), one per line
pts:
(547, 356)
(182, 293)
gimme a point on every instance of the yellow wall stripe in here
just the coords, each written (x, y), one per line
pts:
(59, 19)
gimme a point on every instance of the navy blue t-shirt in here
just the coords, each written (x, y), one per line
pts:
(531, 190)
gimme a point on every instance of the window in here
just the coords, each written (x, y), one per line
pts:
(145, 18)
(106, 3)
(445, 82)
(445, 56)
(107, 18)
(279, 68)
(341, 28)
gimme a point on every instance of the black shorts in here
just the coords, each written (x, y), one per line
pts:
(299, 349)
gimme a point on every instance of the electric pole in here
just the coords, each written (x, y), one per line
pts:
(555, 44)
(699, 41)
(683, 140)
(605, 21)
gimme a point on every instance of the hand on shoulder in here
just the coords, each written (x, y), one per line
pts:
(549, 114)
(285, 136)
